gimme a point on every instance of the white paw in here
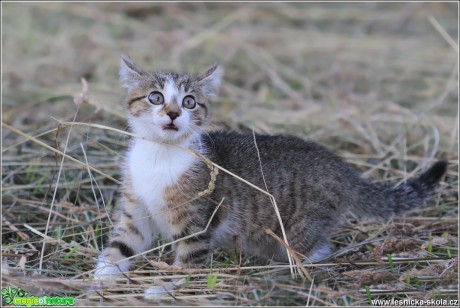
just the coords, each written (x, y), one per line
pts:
(107, 271)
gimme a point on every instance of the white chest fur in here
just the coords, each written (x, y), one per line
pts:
(154, 167)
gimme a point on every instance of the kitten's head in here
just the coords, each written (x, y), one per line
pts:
(167, 107)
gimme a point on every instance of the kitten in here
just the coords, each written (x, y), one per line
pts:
(313, 187)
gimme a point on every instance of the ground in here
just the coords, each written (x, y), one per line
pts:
(375, 82)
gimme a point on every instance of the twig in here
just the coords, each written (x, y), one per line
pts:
(443, 33)
(275, 206)
(58, 241)
(21, 234)
(309, 292)
(92, 187)
(292, 253)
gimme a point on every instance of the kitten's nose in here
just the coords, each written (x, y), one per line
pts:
(173, 115)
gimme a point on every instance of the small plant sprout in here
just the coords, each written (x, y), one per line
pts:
(390, 262)
(408, 280)
(212, 277)
(369, 296)
(187, 281)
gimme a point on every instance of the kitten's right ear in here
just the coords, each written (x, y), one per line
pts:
(130, 74)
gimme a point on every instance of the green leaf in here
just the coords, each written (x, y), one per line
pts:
(212, 280)
(390, 262)
(187, 281)
(70, 253)
(369, 296)
(430, 247)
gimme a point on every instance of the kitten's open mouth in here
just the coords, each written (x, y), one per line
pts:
(170, 126)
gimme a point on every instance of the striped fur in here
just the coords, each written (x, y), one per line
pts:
(163, 185)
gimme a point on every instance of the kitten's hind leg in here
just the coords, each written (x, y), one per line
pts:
(132, 235)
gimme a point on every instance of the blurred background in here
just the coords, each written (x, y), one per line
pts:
(313, 61)
(375, 82)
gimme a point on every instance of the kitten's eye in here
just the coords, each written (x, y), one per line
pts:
(189, 102)
(156, 98)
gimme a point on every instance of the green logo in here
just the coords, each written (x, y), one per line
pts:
(18, 297)
(8, 294)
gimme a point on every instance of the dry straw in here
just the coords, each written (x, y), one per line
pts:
(376, 82)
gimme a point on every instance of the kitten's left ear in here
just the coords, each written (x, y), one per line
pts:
(210, 79)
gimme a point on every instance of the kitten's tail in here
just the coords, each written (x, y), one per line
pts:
(384, 201)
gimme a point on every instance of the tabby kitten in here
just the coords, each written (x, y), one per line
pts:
(313, 187)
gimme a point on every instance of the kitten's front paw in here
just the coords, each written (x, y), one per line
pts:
(106, 271)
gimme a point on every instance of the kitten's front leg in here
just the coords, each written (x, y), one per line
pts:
(132, 235)
(193, 252)
(190, 252)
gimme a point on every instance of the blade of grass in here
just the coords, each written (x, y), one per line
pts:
(55, 193)
(17, 131)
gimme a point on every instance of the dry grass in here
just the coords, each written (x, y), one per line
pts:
(377, 83)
